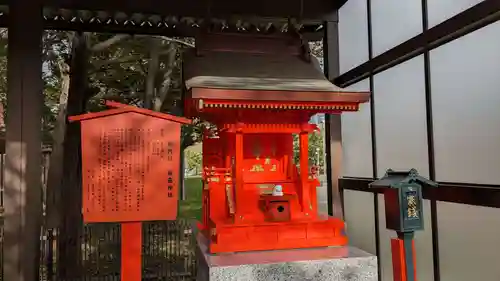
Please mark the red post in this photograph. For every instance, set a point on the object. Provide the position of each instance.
(304, 171)
(399, 260)
(131, 267)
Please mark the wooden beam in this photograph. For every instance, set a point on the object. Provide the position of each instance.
(309, 33)
(333, 125)
(462, 24)
(23, 190)
(313, 9)
(483, 195)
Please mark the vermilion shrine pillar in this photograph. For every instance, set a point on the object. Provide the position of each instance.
(22, 195)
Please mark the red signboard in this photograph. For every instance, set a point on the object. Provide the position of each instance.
(130, 165)
(130, 171)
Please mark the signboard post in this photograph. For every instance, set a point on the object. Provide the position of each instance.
(130, 173)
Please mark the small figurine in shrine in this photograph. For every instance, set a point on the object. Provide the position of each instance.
(255, 197)
(278, 190)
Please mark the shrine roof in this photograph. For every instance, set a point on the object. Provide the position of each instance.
(247, 71)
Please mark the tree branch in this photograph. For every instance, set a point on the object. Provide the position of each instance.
(4, 33)
(173, 40)
(154, 61)
(99, 64)
(108, 43)
(131, 58)
(169, 39)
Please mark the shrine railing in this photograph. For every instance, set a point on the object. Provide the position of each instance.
(168, 251)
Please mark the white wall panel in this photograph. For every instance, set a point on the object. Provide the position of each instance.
(357, 139)
(423, 245)
(466, 103)
(468, 242)
(393, 22)
(353, 34)
(360, 219)
(400, 118)
(441, 10)
(356, 130)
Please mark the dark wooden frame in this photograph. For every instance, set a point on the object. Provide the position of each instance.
(461, 193)
(185, 18)
(314, 9)
(312, 32)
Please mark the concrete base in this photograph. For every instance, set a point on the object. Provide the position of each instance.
(321, 264)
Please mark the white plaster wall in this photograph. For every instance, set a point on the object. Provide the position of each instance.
(360, 219)
(353, 31)
(466, 103)
(356, 129)
(466, 116)
(468, 242)
(394, 21)
(400, 118)
(441, 10)
(357, 140)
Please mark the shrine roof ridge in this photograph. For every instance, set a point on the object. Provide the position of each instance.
(119, 108)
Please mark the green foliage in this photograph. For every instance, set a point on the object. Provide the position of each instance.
(119, 73)
(193, 161)
(315, 149)
(191, 207)
(117, 70)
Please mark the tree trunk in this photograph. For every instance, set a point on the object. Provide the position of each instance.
(162, 93)
(181, 178)
(70, 200)
(55, 171)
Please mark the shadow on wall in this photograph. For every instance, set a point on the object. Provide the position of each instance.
(18, 214)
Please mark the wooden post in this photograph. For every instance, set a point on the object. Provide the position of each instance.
(400, 270)
(23, 189)
(238, 186)
(131, 267)
(304, 171)
(333, 124)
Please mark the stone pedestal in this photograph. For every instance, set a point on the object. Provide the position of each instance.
(320, 264)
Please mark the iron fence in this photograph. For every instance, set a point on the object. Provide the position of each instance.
(168, 248)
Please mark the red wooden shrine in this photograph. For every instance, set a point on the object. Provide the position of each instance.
(130, 173)
(257, 107)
